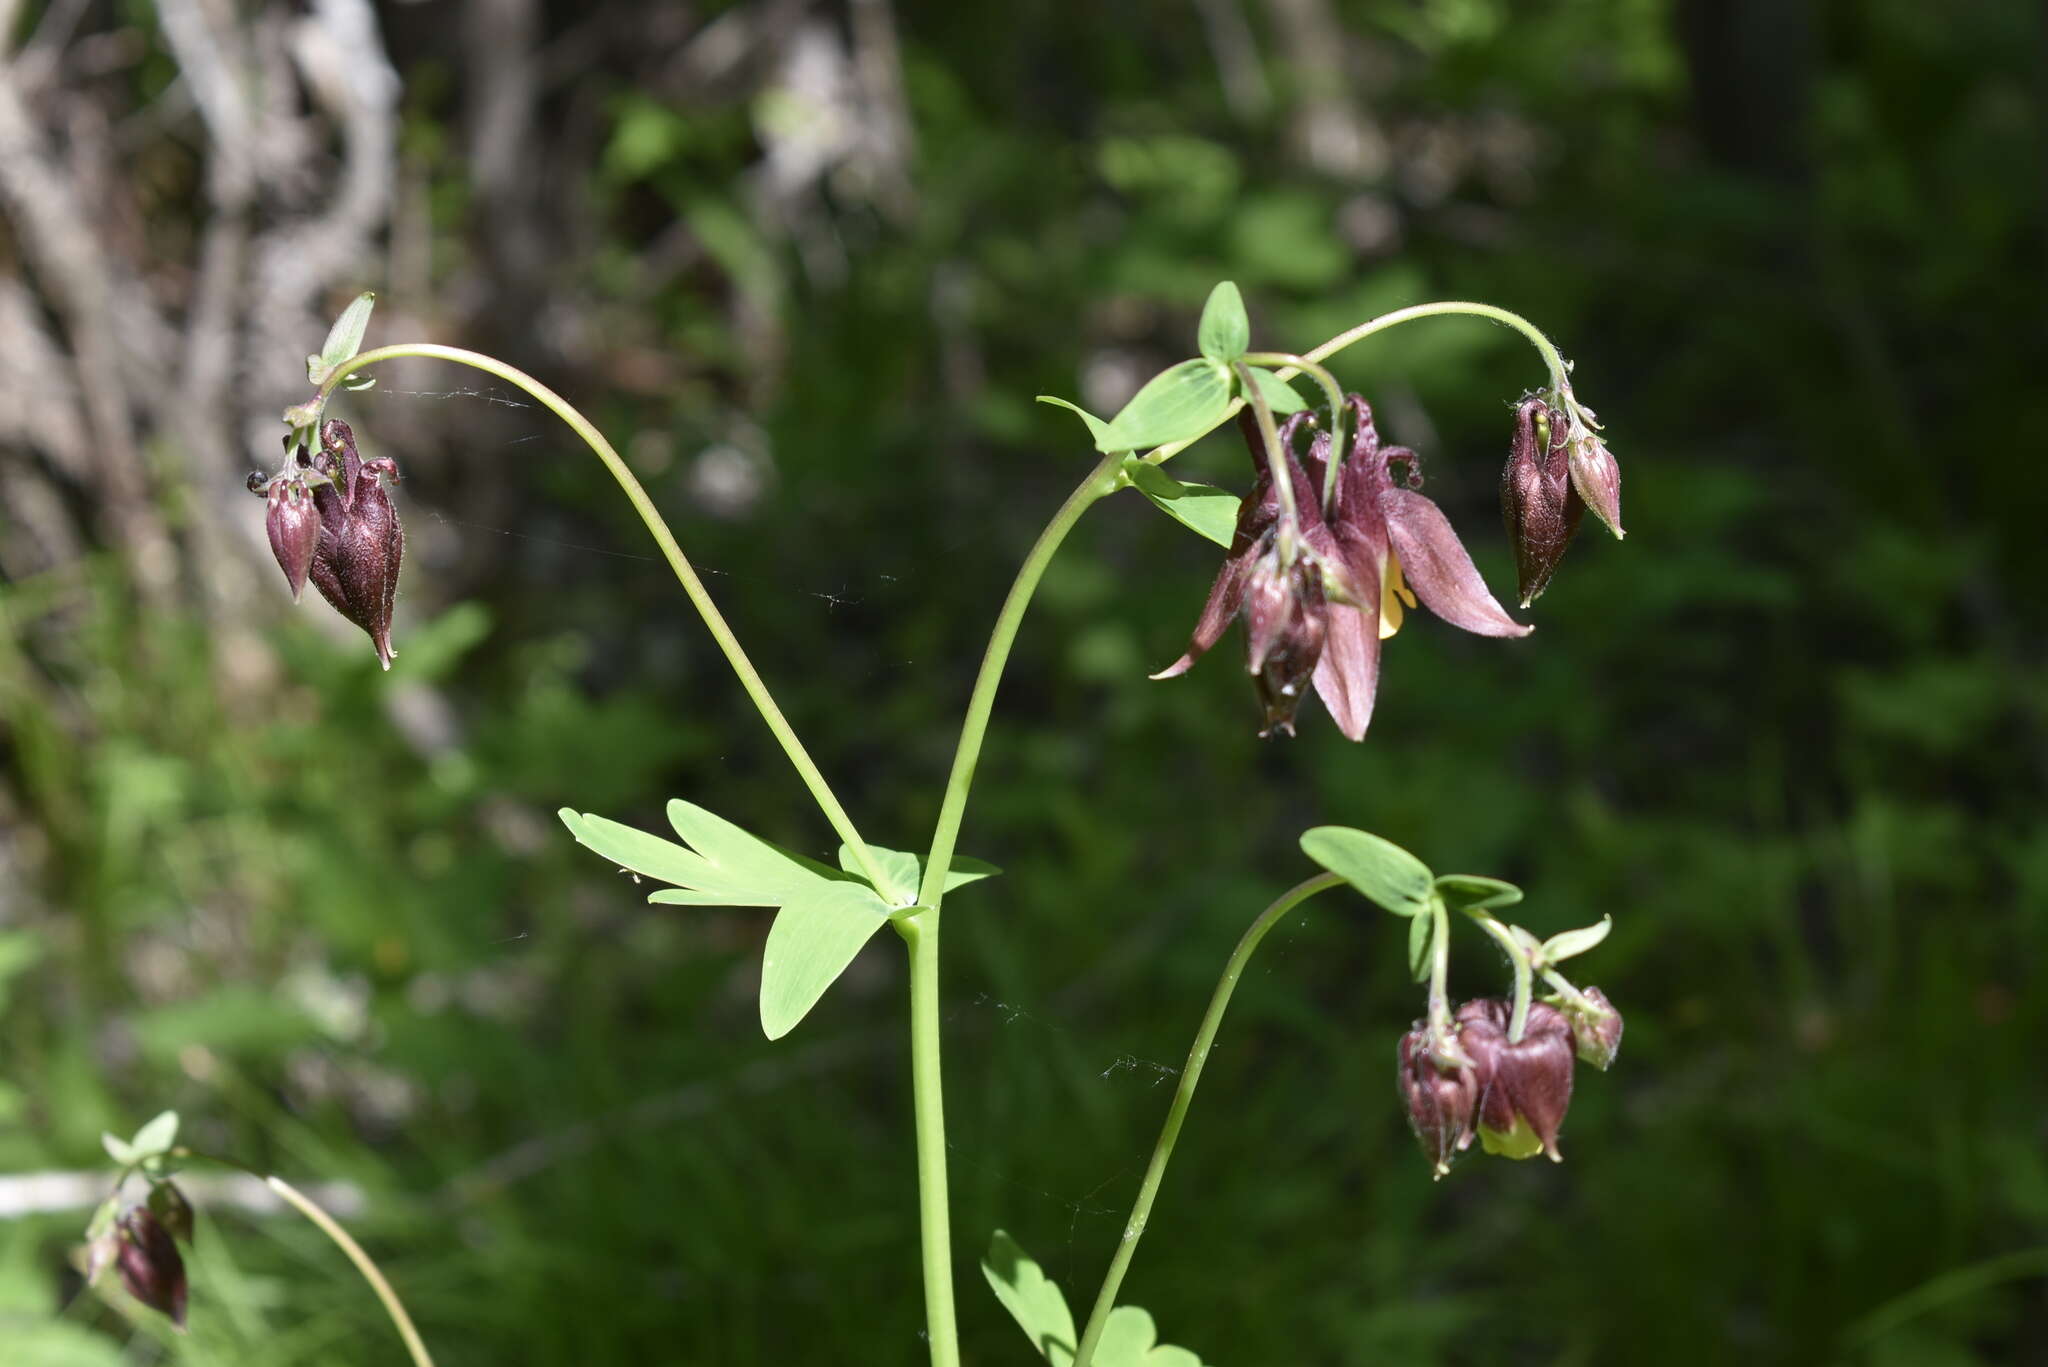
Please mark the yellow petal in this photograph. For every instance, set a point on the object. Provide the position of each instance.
(1393, 592)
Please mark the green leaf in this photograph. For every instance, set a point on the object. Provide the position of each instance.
(901, 873)
(1178, 404)
(905, 872)
(1204, 508)
(1380, 869)
(157, 1136)
(1280, 395)
(345, 338)
(1098, 430)
(1153, 482)
(742, 859)
(1130, 1339)
(1470, 892)
(1225, 331)
(1420, 936)
(642, 853)
(1032, 1299)
(1567, 943)
(119, 1150)
(814, 938)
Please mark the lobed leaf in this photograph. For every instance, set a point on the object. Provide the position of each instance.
(1033, 1300)
(1565, 944)
(1471, 892)
(1280, 395)
(814, 938)
(1098, 430)
(156, 1136)
(345, 338)
(1202, 508)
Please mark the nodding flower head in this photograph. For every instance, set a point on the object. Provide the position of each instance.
(150, 1267)
(1538, 501)
(1441, 1095)
(331, 521)
(1325, 587)
(1525, 1087)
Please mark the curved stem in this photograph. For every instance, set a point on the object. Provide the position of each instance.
(327, 1224)
(1190, 1076)
(1559, 371)
(749, 678)
(1518, 1018)
(1551, 358)
(920, 930)
(415, 1346)
(1100, 482)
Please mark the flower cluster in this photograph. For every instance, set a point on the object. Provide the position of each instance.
(1320, 585)
(330, 520)
(1477, 1077)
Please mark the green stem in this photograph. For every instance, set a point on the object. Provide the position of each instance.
(920, 930)
(749, 678)
(1276, 461)
(328, 1225)
(1439, 968)
(1190, 1076)
(1100, 482)
(1518, 955)
(1559, 371)
(1333, 394)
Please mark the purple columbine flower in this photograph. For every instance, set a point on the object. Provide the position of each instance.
(1538, 501)
(355, 565)
(150, 1267)
(1442, 1098)
(1525, 1087)
(1377, 546)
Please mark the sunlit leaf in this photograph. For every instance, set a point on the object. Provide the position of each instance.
(1098, 430)
(156, 1136)
(1151, 481)
(1565, 944)
(119, 1149)
(1380, 869)
(1178, 404)
(1202, 508)
(905, 872)
(1225, 332)
(1281, 396)
(814, 938)
(1470, 892)
(642, 853)
(1032, 1299)
(1130, 1339)
(345, 338)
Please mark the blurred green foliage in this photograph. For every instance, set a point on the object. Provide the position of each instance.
(1790, 735)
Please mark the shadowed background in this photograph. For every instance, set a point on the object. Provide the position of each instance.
(807, 264)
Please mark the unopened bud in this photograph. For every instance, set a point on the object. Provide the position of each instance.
(1538, 503)
(1286, 616)
(1596, 475)
(150, 1268)
(293, 523)
(1596, 1027)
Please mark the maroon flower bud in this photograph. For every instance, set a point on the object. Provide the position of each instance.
(1524, 1088)
(1285, 618)
(1440, 1101)
(294, 526)
(151, 1270)
(1538, 502)
(172, 1211)
(355, 565)
(1595, 474)
(1596, 1027)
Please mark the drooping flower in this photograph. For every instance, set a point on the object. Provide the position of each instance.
(1538, 502)
(1596, 1027)
(1441, 1097)
(1378, 545)
(1525, 1087)
(150, 1267)
(293, 525)
(355, 565)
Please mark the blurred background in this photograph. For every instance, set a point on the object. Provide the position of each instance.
(808, 264)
